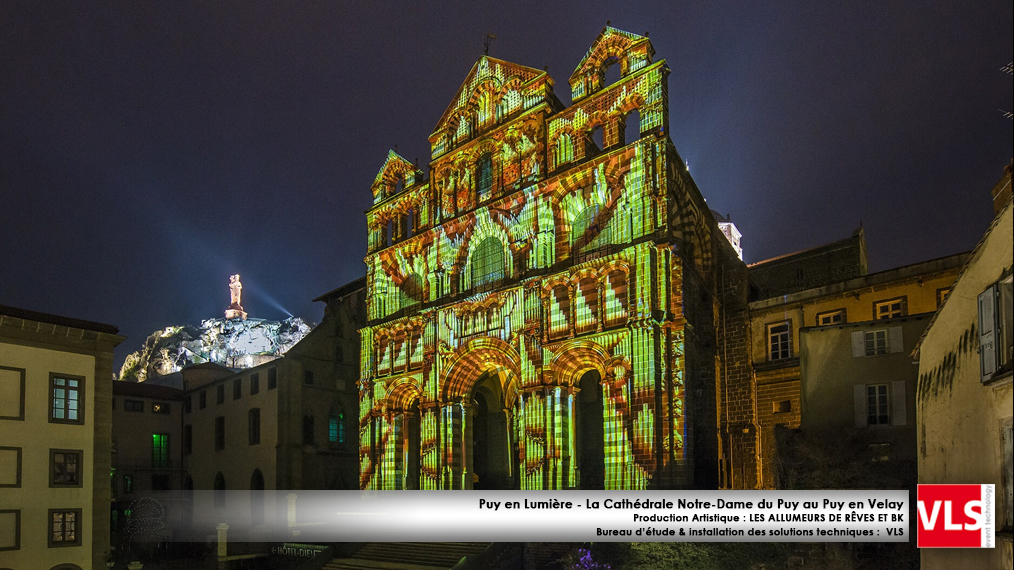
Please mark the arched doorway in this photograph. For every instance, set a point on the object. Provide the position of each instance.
(492, 464)
(257, 498)
(590, 432)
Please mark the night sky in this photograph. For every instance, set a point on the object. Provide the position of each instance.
(150, 149)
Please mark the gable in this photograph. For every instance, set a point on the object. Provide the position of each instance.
(396, 168)
(631, 51)
(494, 89)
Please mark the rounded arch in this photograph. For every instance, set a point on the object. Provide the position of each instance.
(473, 359)
(487, 261)
(402, 392)
(577, 357)
(64, 566)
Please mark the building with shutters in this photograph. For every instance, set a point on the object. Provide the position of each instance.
(56, 380)
(542, 300)
(830, 336)
(965, 398)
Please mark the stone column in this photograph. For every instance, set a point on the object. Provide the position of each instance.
(223, 539)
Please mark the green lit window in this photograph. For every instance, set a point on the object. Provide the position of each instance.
(488, 262)
(160, 451)
(336, 427)
(128, 484)
(67, 402)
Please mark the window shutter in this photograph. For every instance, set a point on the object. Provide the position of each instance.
(896, 343)
(858, 345)
(859, 397)
(987, 333)
(899, 413)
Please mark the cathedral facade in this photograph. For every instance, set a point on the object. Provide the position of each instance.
(551, 306)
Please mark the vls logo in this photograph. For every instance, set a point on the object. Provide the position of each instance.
(956, 516)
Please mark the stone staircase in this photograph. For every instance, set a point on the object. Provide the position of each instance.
(407, 556)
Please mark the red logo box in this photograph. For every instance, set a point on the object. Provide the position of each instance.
(955, 516)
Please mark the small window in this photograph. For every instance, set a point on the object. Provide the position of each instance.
(484, 176)
(133, 405)
(254, 417)
(780, 341)
(272, 378)
(942, 295)
(188, 439)
(67, 399)
(782, 407)
(237, 389)
(186, 405)
(128, 484)
(159, 451)
(308, 378)
(219, 433)
(877, 405)
(10, 467)
(65, 468)
(255, 384)
(890, 309)
(875, 342)
(829, 318)
(307, 430)
(203, 399)
(160, 408)
(220, 399)
(65, 527)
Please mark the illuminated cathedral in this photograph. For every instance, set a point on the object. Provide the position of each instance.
(553, 306)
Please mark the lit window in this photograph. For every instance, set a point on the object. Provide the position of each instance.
(875, 342)
(128, 484)
(67, 403)
(159, 451)
(996, 329)
(890, 309)
(877, 405)
(488, 262)
(133, 405)
(780, 341)
(65, 468)
(336, 426)
(831, 318)
(64, 527)
(160, 408)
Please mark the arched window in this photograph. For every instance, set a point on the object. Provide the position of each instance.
(484, 176)
(588, 232)
(336, 424)
(487, 262)
(411, 291)
(219, 489)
